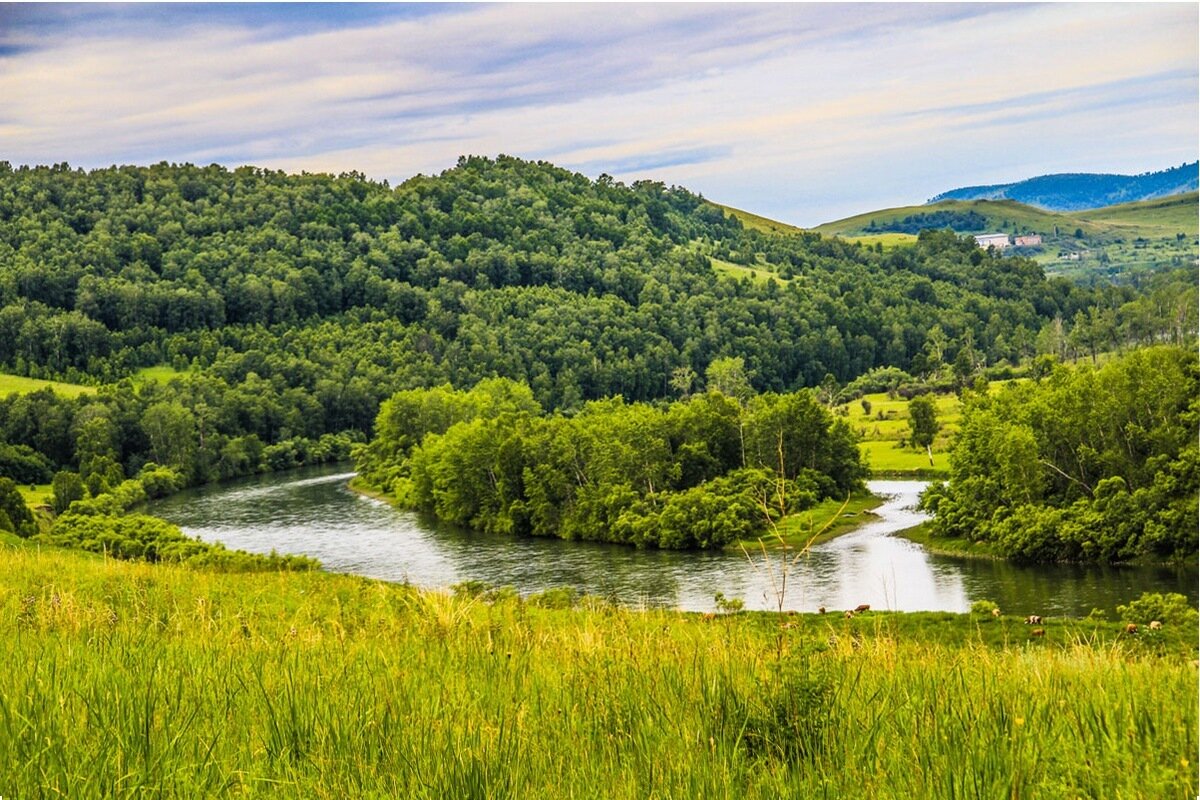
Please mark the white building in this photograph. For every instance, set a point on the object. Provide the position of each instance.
(996, 240)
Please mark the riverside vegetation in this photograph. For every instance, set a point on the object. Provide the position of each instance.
(125, 678)
(703, 472)
(1081, 464)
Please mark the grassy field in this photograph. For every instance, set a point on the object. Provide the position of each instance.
(1151, 219)
(129, 680)
(36, 495)
(737, 271)
(18, 384)
(889, 241)
(884, 430)
(824, 521)
(756, 223)
(160, 374)
(1163, 217)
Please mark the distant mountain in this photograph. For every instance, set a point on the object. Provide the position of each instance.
(1075, 191)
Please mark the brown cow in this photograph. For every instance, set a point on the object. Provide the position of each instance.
(862, 608)
(1038, 632)
(1131, 629)
(821, 610)
(996, 613)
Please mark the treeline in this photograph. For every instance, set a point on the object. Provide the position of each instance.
(582, 289)
(199, 426)
(697, 473)
(99, 523)
(1083, 464)
(958, 221)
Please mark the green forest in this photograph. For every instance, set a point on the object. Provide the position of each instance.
(1082, 464)
(285, 311)
(702, 472)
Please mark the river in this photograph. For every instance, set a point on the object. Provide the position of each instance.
(312, 512)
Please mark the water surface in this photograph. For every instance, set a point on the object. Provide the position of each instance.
(312, 512)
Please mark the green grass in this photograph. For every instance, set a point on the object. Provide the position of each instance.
(131, 680)
(159, 374)
(1152, 219)
(923, 535)
(18, 384)
(737, 271)
(884, 430)
(756, 223)
(824, 521)
(889, 241)
(1163, 217)
(37, 495)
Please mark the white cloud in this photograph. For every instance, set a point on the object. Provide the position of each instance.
(805, 112)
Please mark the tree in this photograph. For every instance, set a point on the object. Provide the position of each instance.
(171, 429)
(67, 487)
(729, 377)
(922, 422)
(682, 379)
(14, 514)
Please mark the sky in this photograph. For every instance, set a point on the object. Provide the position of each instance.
(805, 113)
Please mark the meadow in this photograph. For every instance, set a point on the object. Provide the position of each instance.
(124, 680)
(884, 430)
(738, 271)
(19, 384)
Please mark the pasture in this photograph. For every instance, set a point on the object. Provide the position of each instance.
(19, 384)
(124, 680)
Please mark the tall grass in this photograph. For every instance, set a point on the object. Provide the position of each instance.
(124, 679)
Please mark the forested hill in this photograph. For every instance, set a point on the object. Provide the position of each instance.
(292, 305)
(496, 267)
(1081, 190)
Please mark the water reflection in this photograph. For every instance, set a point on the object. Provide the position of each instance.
(312, 512)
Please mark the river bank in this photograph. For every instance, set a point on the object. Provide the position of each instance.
(313, 512)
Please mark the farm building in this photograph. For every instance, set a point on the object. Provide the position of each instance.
(996, 240)
(1032, 240)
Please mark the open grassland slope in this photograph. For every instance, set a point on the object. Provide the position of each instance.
(19, 384)
(123, 680)
(762, 224)
(1163, 217)
(1151, 219)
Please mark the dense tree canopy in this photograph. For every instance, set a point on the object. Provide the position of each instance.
(583, 289)
(700, 472)
(1083, 465)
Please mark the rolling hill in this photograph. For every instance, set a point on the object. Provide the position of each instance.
(1151, 219)
(1078, 191)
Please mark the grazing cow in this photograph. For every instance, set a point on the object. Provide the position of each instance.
(1038, 632)
(1131, 629)
(1155, 625)
(709, 617)
(821, 610)
(862, 608)
(849, 614)
(1033, 619)
(996, 613)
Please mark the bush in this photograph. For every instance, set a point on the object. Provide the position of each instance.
(1171, 607)
(562, 597)
(983, 608)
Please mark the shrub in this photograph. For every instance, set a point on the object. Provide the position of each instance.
(1162, 607)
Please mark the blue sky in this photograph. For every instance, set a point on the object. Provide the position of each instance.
(802, 112)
